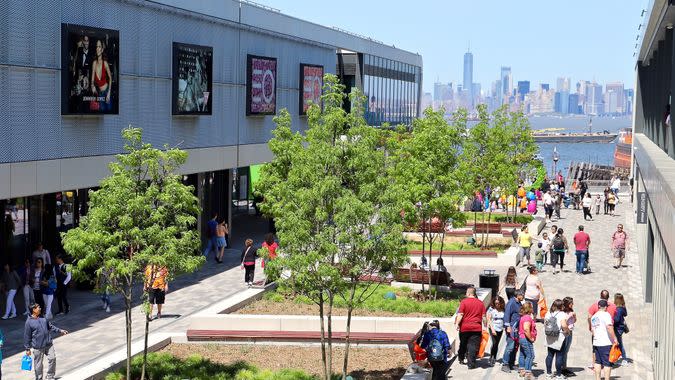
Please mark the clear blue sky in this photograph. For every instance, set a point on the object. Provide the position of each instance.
(540, 39)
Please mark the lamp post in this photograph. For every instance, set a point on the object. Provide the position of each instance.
(556, 157)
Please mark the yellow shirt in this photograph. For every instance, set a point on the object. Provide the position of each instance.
(158, 280)
(525, 239)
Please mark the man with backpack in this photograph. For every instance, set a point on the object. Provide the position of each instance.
(469, 322)
(511, 321)
(437, 345)
(559, 246)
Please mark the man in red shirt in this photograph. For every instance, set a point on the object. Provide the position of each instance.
(581, 241)
(469, 321)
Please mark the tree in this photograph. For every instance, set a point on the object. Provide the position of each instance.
(142, 214)
(427, 174)
(326, 190)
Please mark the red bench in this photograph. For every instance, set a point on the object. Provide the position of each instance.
(488, 228)
(294, 336)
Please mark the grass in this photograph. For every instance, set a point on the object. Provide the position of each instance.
(407, 301)
(436, 246)
(167, 367)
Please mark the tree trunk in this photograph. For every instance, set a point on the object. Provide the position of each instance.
(350, 308)
(127, 315)
(487, 241)
(424, 242)
(431, 250)
(329, 317)
(326, 373)
(440, 256)
(484, 231)
(145, 344)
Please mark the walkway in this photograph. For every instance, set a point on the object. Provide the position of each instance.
(94, 333)
(585, 290)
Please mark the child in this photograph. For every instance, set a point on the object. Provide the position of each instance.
(539, 257)
(598, 202)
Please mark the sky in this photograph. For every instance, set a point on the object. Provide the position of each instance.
(539, 39)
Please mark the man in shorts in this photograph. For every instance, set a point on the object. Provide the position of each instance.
(603, 339)
(156, 286)
(619, 245)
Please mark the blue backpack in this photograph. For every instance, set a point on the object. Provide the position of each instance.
(435, 352)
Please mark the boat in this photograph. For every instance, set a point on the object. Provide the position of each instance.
(584, 137)
(623, 150)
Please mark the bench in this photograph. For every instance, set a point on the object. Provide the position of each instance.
(488, 228)
(420, 276)
(294, 336)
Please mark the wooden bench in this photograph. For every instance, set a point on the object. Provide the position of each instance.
(487, 228)
(294, 336)
(419, 276)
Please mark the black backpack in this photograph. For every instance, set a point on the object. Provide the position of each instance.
(558, 243)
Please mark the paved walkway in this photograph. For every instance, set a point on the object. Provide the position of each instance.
(585, 290)
(94, 333)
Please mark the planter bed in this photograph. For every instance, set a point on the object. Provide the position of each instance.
(480, 253)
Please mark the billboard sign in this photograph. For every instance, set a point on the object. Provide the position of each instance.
(192, 83)
(261, 85)
(311, 85)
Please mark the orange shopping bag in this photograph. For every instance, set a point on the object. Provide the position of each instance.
(483, 343)
(614, 353)
(542, 307)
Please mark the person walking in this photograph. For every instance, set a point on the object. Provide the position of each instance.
(510, 282)
(248, 257)
(211, 237)
(597, 202)
(524, 242)
(511, 324)
(25, 274)
(495, 322)
(602, 328)
(37, 337)
(586, 204)
(555, 329)
(581, 243)
(557, 203)
(548, 205)
(469, 323)
(103, 285)
(619, 245)
(611, 202)
(620, 326)
(157, 286)
(545, 246)
(568, 308)
(63, 277)
(48, 289)
(534, 290)
(605, 200)
(616, 185)
(36, 275)
(560, 246)
(435, 341)
(539, 256)
(221, 241)
(554, 258)
(527, 334)
(611, 309)
(12, 283)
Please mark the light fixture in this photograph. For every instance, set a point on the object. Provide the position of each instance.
(669, 26)
(637, 37)
(639, 26)
(643, 13)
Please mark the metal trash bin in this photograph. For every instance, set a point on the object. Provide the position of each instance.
(489, 279)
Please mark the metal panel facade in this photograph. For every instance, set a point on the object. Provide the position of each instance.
(30, 85)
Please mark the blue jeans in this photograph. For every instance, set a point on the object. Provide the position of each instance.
(619, 339)
(510, 351)
(581, 260)
(558, 360)
(565, 349)
(526, 355)
(211, 245)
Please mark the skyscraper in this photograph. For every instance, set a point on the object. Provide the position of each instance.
(523, 89)
(563, 84)
(507, 81)
(468, 77)
(615, 99)
(594, 103)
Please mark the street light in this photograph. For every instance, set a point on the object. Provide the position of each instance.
(556, 157)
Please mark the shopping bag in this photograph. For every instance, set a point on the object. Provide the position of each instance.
(483, 343)
(420, 353)
(542, 307)
(27, 363)
(614, 353)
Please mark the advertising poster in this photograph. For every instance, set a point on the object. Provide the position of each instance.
(192, 79)
(261, 85)
(89, 70)
(311, 84)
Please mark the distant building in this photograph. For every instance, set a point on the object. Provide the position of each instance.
(594, 99)
(523, 89)
(468, 77)
(563, 84)
(507, 81)
(442, 92)
(573, 106)
(628, 99)
(614, 98)
(427, 101)
(544, 86)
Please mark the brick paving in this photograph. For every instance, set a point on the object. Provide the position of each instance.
(585, 290)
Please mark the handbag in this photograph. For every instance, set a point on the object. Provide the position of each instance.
(524, 285)
(483, 343)
(614, 353)
(27, 363)
(543, 308)
(626, 330)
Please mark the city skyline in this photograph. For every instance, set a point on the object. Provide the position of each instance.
(539, 40)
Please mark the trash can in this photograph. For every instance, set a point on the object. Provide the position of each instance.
(489, 279)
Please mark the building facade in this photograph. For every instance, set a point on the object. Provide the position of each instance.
(468, 78)
(654, 178)
(206, 76)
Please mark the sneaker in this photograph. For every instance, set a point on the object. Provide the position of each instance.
(12, 316)
(158, 316)
(550, 376)
(560, 377)
(506, 368)
(4, 317)
(107, 309)
(492, 362)
(624, 362)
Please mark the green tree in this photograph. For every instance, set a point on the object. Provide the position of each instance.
(427, 175)
(142, 214)
(326, 190)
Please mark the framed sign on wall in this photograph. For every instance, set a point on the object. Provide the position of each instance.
(192, 81)
(261, 85)
(311, 85)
